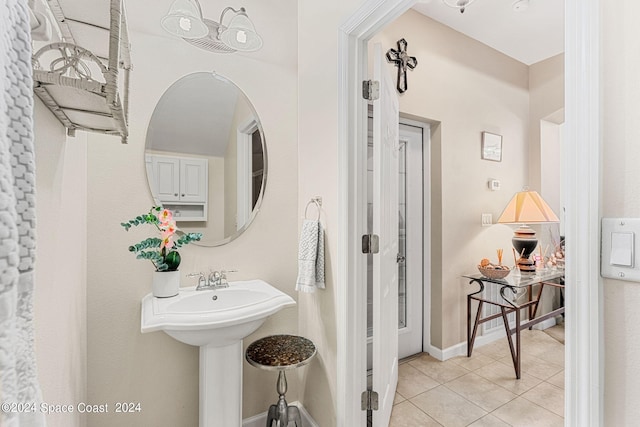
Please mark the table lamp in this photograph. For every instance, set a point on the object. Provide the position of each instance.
(526, 207)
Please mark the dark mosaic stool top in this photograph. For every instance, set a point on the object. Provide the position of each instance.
(280, 352)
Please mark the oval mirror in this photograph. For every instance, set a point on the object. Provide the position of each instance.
(205, 157)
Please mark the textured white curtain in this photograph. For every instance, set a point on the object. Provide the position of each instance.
(18, 379)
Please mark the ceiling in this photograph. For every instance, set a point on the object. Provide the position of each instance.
(529, 36)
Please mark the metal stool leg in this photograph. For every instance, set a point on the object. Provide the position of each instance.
(294, 415)
(272, 416)
(280, 411)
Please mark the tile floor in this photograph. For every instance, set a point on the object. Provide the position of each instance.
(482, 390)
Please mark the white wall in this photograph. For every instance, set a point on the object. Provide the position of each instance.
(318, 22)
(154, 369)
(546, 85)
(620, 122)
(61, 257)
(551, 167)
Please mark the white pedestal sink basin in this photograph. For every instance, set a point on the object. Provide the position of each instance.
(216, 321)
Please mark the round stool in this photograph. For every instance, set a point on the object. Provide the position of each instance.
(281, 353)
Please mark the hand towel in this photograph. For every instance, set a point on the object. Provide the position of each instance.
(311, 257)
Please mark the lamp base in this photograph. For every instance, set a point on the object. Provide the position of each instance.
(526, 265)
(524, 241)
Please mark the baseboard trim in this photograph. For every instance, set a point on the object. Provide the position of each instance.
(545, 324)
(261, 419)
(460, 349)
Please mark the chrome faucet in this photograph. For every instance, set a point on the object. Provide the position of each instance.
(215, 280)
(218, 279)
(202, 281)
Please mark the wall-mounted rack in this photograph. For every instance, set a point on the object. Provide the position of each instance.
(83, 88)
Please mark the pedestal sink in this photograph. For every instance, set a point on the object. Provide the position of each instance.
(216, 321)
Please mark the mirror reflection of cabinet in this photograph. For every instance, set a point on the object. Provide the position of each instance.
(180, 184)
(205, 116)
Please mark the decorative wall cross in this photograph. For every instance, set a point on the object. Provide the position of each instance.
(402, 60)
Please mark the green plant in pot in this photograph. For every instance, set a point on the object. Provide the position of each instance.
(161, 251)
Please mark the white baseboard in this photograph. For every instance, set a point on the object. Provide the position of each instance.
(460, 349)
(545, 324)
(260, 420)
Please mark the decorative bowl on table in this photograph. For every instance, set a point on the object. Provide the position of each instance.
(494, 271)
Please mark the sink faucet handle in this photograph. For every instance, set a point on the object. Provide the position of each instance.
(201, 278)
(223, 277)
(224, 272)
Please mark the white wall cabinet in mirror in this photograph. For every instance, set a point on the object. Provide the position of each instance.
(180, 184)
(206, 158)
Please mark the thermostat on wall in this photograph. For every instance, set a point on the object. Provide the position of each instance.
(493, 184)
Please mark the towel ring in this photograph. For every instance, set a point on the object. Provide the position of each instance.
(318, 202)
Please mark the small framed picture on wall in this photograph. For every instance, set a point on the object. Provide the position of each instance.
(491, 146)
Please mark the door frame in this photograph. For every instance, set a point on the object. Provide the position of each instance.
(583, 351)
(244, 161)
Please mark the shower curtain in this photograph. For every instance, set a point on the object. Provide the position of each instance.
(19, 391)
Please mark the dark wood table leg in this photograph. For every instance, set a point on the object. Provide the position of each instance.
(518, 353)
(471, 336)
(509, 332)
(472, 339)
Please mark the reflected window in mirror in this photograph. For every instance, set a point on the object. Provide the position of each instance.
(205, 157)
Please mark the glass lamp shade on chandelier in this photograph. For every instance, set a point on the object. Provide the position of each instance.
(185, 20)
(526, 207)
(458, 4)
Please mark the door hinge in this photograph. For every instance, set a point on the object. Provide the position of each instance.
(370, 244)
(369, 400)
(400, 259)
(371, 89)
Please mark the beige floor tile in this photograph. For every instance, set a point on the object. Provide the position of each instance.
(548, 396)
(556, 332)
(557, 380)
(553, 355)
(539, 345)
(505, 376)
(522, 413)
(398, 398)
(474, 362)
(489, 421)
(495, 350)
(481, 391)
(406, 414)
(442, 372)
(448, 408)
(534, 366)
(412, 382)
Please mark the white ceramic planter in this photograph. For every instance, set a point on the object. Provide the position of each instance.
(165, 284)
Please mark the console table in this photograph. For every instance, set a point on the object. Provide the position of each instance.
(511, 288)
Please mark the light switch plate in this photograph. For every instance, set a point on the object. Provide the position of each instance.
(619, 249)
(487, 220)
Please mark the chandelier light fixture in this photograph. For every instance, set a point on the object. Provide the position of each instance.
(458, 4)
(185, 20)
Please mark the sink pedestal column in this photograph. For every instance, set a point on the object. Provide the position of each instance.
(221, 385)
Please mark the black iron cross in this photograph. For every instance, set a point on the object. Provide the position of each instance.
(402, 60)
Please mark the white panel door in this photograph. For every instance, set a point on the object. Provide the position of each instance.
(411, 283)
(193, 180)
(385, 225)
(167, 178)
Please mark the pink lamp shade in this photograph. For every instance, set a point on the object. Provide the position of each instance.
(527, 207)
